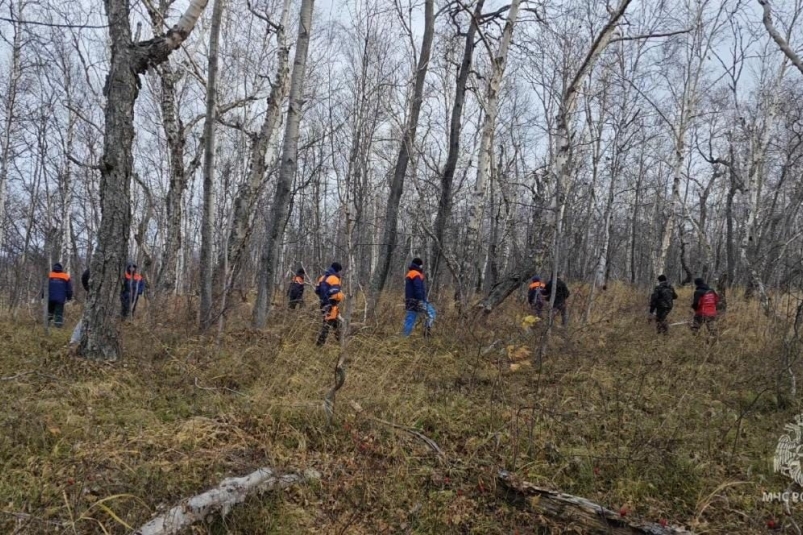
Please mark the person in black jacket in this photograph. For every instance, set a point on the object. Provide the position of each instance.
(661, 303)
(561, 295)
(295, 293)
(85, 280)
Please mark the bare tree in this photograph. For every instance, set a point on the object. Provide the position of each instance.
(287, 170)
(210, 125)
(101, 339)
(490, 105)
(390, 234)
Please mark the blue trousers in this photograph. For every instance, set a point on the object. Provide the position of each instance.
(411, 318)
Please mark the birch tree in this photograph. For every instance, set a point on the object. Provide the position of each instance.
(101, 338)
(287, 170)
(490, 104)
(210, 125)
(389, 234)
(10, 112)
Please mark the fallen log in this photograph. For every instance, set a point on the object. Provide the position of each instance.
(583, 515)
(221, 499)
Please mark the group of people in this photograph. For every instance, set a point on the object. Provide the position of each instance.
(60, 291)
(539, 294)
(330, 294)
(705, 304)
(417, 306)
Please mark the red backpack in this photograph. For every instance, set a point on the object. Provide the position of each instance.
(707, 306)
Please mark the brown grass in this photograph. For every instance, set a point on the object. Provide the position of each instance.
(678, 428)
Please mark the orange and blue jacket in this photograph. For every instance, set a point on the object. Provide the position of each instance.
(296, 290)
(415, 290)
(133, 283)
(59, 285)
(328, 289)
(534, 293)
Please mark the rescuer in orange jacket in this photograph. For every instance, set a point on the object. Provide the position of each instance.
(535, 297)
(331, 296)
(415, 299)
(133, 286)
(295, 293)
(59, 291)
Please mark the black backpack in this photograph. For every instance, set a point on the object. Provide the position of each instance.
(665, 296)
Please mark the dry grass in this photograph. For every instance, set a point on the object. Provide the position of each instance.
(675, 429)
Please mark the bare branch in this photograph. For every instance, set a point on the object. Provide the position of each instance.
(650, 36)
(777, 37)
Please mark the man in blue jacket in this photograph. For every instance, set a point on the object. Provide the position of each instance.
(133, 286)
(59, 291)
(331, 295)
(415, 298)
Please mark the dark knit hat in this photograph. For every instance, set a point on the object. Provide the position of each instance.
(300, 271)
(699, 282)
(418, 262)
(661, 278)
(336, 267)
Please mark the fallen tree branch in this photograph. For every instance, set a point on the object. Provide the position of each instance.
(421, 436)
(221, 499)
(583, 514)
(17, 376)
(411, 430)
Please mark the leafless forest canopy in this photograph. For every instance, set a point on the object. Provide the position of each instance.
(603, 140)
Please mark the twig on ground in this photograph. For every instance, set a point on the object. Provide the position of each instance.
(17, 376)
(421, 436)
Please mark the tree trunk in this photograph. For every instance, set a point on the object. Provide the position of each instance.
(175, 137)
(390, 234)
(210, 127)
(10, 103)
(564, 137)
(455, 126)
(101, 337)
(287, 169)
(259, 160)
(490, 105)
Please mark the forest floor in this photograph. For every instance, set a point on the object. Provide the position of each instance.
(676, 429)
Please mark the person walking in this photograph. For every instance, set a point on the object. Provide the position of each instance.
(561, 295)
(704, 305)
(295, 293)
(331, 296)
(661, 303)
(535, 297)
(59, 291)
(133, 286)
(415, 299)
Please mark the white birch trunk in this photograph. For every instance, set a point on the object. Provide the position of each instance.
(210, 127)
(220, 500)
(10, 104)
(287, 169)
(490, 105)
(563, 136)
(262, 155)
